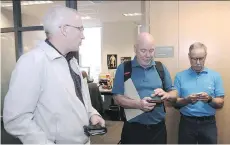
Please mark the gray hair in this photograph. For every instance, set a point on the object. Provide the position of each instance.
(197, 45)
(55, 17)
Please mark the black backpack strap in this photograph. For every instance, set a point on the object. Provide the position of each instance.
(160, 70)
(127, 70)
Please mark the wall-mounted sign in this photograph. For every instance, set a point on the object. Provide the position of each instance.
(164, 51)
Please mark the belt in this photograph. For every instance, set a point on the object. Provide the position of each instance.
(200, 118)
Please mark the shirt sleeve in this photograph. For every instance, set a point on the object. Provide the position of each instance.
(219, 89)
(168, 81)
(21, 101)
(91, 111)
(118, 84)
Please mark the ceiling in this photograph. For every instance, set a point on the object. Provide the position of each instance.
(99, 11)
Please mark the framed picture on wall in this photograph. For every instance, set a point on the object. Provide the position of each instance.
(112, 61)
(123, 59)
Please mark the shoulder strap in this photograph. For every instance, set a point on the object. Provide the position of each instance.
(127, 75)
(160, 71)
(127, 70)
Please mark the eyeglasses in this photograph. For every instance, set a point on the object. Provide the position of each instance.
(196, 59)
(79, 28)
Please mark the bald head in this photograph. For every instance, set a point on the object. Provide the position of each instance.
(145, 38)
(57, 16)
(144, 48)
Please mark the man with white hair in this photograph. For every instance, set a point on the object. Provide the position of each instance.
(48, 101)
(200, 92)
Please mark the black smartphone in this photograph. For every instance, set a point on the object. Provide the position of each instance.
(155, 99)
(94, 127)
(92, 130)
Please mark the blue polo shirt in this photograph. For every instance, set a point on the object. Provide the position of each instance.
(146, 80)
(188, 82)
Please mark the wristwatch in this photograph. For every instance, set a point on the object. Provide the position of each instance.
(209, 100)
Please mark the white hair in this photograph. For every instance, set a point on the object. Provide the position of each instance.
(55, 17)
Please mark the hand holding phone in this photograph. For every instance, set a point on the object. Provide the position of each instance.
(92, 130)
(192, 98)
(145, 104)
(199, 95)
(155, 99)
(203, 97)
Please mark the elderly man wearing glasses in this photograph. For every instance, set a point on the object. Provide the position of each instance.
(200, 93)
(48, 101)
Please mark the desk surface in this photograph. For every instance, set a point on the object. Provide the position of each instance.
(105, 90)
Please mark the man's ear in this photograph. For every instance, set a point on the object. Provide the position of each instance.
(63, 30)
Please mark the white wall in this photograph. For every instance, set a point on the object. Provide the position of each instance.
(118, 38)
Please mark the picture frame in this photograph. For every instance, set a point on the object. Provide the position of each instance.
(123, 59)
(112, 61)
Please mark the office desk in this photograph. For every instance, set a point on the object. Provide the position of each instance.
(105, 91)
(107, 98)
(109, 105)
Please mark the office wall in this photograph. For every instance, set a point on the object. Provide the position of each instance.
(182, 23)
(118, 38)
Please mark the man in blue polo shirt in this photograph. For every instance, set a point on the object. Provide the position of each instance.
(145, 121)
(200, 93)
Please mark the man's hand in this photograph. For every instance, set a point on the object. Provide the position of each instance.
(145, 105)
(96, 119)
(203, 97)
(164, 95)
(193, 98)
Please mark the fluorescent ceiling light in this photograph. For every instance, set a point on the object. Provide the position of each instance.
(132, 14)
(26, 3)
(86, 18)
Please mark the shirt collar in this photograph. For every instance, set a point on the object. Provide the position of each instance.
(55, 53)
(50, 44)
(50, 51)
(205, 70)
(135, 62)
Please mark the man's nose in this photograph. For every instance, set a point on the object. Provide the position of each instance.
(148, 54)
(198, 61)
(82, 36)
